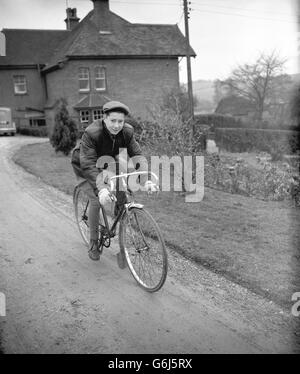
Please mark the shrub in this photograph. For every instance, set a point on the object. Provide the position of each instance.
(275, 142)
(33, 131)
(170, 130)
(169, 134)
(65, 133)
(146, 132)
(176, 101)
(235, 176)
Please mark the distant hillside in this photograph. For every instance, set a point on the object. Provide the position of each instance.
(295, 78)
(203, 89)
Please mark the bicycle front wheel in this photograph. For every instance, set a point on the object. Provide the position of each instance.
(81, 202)
(142, 243)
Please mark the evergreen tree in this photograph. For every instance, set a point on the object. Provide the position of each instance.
(64, 135)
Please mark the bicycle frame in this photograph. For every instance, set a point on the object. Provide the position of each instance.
(140, 238)
(111, 231)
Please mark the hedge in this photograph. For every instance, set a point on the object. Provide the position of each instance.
(275, 142)
(33, 131)
(218, 121)
(215, 120)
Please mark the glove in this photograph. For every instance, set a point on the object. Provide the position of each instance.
(105, 196)
(151, 187)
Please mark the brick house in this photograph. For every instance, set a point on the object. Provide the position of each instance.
(99, 58)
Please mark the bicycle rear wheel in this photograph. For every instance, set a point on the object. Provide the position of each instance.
(142, 243)
(81, 202)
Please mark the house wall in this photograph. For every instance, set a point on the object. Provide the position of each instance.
(139, 83)
(34, 98)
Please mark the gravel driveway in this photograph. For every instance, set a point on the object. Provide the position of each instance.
(59, 301)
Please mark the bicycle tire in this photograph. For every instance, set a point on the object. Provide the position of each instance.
(81, 214)
(151, 255)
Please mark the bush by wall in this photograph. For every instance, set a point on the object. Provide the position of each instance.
(171, 134)
(65, 132)
(275, 142)
(34, 131)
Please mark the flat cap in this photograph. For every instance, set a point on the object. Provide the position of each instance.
(112, 106)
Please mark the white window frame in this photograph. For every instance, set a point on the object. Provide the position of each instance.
(100, 76)
(84, 76)
(84, 116)
(19, 81)
(97, 114)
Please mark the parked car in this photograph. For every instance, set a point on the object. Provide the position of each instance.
(7, 126)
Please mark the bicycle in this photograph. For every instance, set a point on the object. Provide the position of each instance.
(141, 243)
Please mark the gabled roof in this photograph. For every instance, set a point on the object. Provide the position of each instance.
(125, 39)
(49, 47)
(92, 100)
(28, 47)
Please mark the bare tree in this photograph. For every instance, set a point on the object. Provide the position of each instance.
(256, 81)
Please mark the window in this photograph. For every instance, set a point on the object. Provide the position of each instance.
(97, 114)
(84, 116)
(20, 84)
(84, 79)
(37, 122)
(100, 79)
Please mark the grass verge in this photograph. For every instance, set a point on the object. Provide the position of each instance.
(251, 242)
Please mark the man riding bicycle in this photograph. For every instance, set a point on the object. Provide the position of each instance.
(106, 137)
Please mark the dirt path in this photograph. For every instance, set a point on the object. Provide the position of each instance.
(59, 301)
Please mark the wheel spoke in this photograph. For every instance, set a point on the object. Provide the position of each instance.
(81, 213)
(144, 249)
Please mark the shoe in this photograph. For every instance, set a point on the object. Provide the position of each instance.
(94, 253)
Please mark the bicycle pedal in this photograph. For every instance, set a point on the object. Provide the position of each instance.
(106, 242)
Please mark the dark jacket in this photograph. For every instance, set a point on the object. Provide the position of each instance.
(98, 141)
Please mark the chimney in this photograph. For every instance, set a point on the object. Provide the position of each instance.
(101, 15)
(72, 20)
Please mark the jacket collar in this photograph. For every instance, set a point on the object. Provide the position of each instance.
(111, 136)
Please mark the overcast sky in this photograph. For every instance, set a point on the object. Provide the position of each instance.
(223, 33)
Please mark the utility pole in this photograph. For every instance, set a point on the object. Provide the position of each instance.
(298, 21)
(186, 4)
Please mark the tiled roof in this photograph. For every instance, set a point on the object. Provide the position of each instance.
(126, 39)
(27, 47)
(92, 100)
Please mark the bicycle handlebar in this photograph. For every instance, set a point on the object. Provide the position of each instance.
(128, 175)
